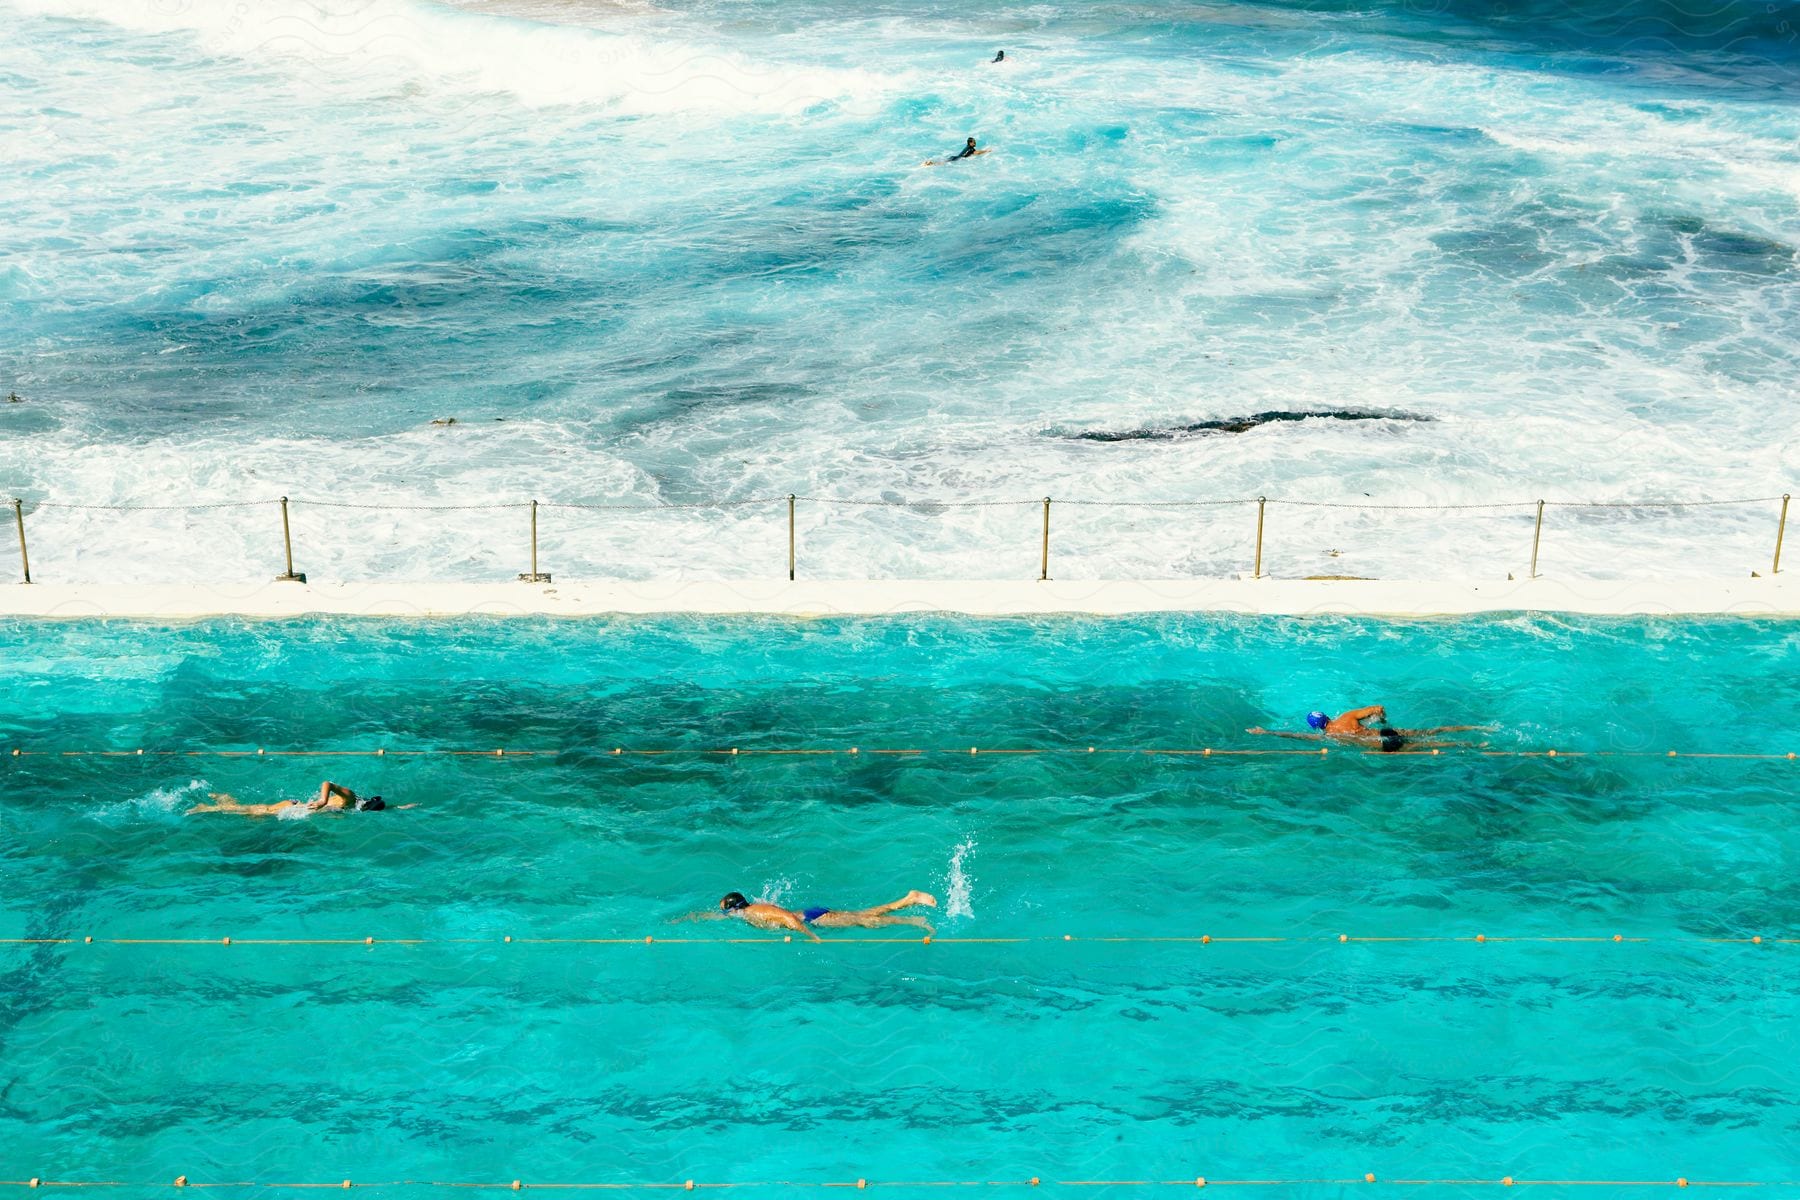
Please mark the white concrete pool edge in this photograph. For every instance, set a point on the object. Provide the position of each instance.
(1759, 597)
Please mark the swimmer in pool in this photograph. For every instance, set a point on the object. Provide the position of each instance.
(332, 797)
(776, 918)
(1354, 726)
(968, 151)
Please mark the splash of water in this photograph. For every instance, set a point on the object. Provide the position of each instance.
(159, 802)
(958, 882)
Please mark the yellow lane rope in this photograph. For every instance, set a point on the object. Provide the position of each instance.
(1203, 939)
(690, 1185)
(853, 751)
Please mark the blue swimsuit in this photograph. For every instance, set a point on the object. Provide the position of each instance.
(809, 915)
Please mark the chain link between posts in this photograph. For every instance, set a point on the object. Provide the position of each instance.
(919, 506)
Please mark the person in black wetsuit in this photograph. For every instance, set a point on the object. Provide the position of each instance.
(968, 151)
(999, 56)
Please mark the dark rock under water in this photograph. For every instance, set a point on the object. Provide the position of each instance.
(1234, 424)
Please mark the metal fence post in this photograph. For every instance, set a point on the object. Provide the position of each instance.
(1044, 561)
(25, 559)
(287, 544)
(535, 576)
(1536, 535)
(790, 537)
(1780, 529)
(1262, 502)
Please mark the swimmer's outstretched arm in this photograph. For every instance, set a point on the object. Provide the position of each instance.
(1303, 737)
(703, 915)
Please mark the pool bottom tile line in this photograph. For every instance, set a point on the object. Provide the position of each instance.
(1199, 1181)
(617, 752)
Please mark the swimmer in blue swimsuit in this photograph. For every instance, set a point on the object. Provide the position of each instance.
(776, 918)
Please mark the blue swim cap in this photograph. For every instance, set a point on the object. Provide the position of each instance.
(1317, 720)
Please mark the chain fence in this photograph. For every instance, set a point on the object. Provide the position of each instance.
(1535, 510)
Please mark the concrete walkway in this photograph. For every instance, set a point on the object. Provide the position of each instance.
(1777, 596)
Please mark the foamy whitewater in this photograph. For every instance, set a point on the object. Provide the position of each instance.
(687, 252)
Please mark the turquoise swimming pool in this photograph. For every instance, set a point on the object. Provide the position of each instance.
(1049, 1053)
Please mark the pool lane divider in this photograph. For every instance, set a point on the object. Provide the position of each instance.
(856, 751)
(1204, 939)
(690, 1185)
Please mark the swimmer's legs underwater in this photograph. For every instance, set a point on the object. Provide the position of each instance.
(230, 804)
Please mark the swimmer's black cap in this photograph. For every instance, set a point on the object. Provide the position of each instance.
(733, 901)
(372, 804)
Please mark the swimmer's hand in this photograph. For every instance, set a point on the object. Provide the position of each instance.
(1256, 729)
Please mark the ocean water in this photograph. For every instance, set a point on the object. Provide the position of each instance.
(668, 253)
(476, 1060)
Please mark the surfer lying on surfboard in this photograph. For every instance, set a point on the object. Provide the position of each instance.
(968, 151)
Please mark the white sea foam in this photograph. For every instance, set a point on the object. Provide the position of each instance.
(1592, 294)
(374, 45)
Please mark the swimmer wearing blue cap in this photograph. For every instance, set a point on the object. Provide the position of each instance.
(775, 918)
(1354, 726)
